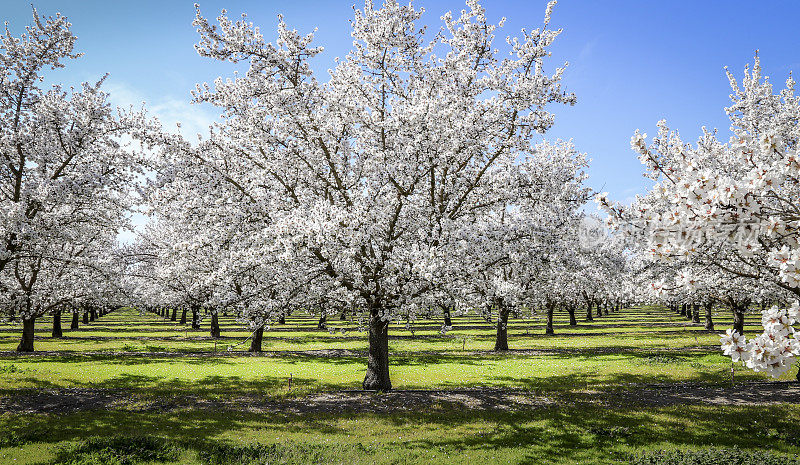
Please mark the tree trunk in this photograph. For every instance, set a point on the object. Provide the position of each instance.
(195, 318)
(549, 328)
(738, 319)
(709, 322)
(57, 325)
(74, 324)
(255, 343)
(377, 377)
(599, 308)
(282, 319)
(86, 318)
(323, 321)
(92, 314)
(183, 316)
(572, 320)
(589, 311)
(447, 320)
(343, 316)
(26, 344)
(501, 341)
(174, 315)
(683, 309)
(607, 305)
(215, 325)
(696, 313)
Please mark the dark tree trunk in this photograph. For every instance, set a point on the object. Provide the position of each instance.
(282, 319)
(26, 343)
(183, 316)
(599, 306)
(589, 311)
(607, 306)
(549, 328)
(57, 325)
(572, 320)
(709, 322)
(195, 319)
(74, 324)
(447, 320)
(255, 343)
(86, 318)
(215, 325)
(501, 341)
(377, 377)
(696, 313)
(683, 309)
(174, 315)
(323, 321)
(738, 319)
(343, 316)
(92, 314)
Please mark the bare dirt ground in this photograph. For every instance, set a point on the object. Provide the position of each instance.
(61, 401)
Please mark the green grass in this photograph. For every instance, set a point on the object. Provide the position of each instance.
(148, 358)
(570, 434)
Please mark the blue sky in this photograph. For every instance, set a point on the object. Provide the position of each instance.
(632, 62)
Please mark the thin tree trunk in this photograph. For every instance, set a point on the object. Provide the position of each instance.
(709, 322)
(550, 309)
(255, 343)
(501, 340)
(599, 308)
(92, 314)
(26, 343)
(215, 325)
(696, 313)
(607, 306)
(589, 311)
(183, 317)
(57, 325)
(86, 318)
(195, 318)
(74, 324)
(174, 314)
(323, 321)
(377, 376)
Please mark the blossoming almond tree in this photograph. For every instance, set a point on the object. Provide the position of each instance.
(66, 178)
(733, 206)
(365, 177)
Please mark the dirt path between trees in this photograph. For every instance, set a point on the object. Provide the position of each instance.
(61, 401)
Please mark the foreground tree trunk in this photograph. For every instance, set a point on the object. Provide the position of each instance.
(599, 308)
(26, 344)
(323, 321)
(709, 322)
(57, 325)
(86, 318)
(572, 320)
(550, 309)
(255, 343)
(195, 318)
(183, 317)
(377, 377)
(174, 315)
(92, 314)
(696, 313)
(589, 311)
(447, 320)
(738, 319)
(74, 324)
(282, 319)
(215, 325)
(501, 339)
